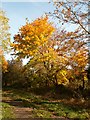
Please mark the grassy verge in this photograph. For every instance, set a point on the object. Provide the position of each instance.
(7, 111)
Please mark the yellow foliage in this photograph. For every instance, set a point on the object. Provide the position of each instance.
(62, 77)
(4, 64)
(85, 78)
(33, 35)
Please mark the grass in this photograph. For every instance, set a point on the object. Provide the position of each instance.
(46, 108)
(42, 113)
(7, 111)
(61, 109)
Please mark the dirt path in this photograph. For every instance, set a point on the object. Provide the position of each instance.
(22, 112)
(19, 110)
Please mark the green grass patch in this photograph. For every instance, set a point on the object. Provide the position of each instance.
(7, 111)
(64, 110)
(41, 113)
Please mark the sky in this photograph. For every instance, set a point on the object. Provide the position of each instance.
(17, 12)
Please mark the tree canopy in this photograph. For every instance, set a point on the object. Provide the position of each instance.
(31, 36)
(54, 53)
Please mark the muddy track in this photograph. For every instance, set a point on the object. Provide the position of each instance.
(18, 109)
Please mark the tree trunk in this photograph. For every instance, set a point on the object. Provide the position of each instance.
(83, 86)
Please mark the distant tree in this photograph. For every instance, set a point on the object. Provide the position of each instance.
(14, 74)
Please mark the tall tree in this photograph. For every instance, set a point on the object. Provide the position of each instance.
(4, 38)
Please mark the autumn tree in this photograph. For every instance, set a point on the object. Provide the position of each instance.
(31, 38)
(73, 56)
(4, 39)
(75, 14)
